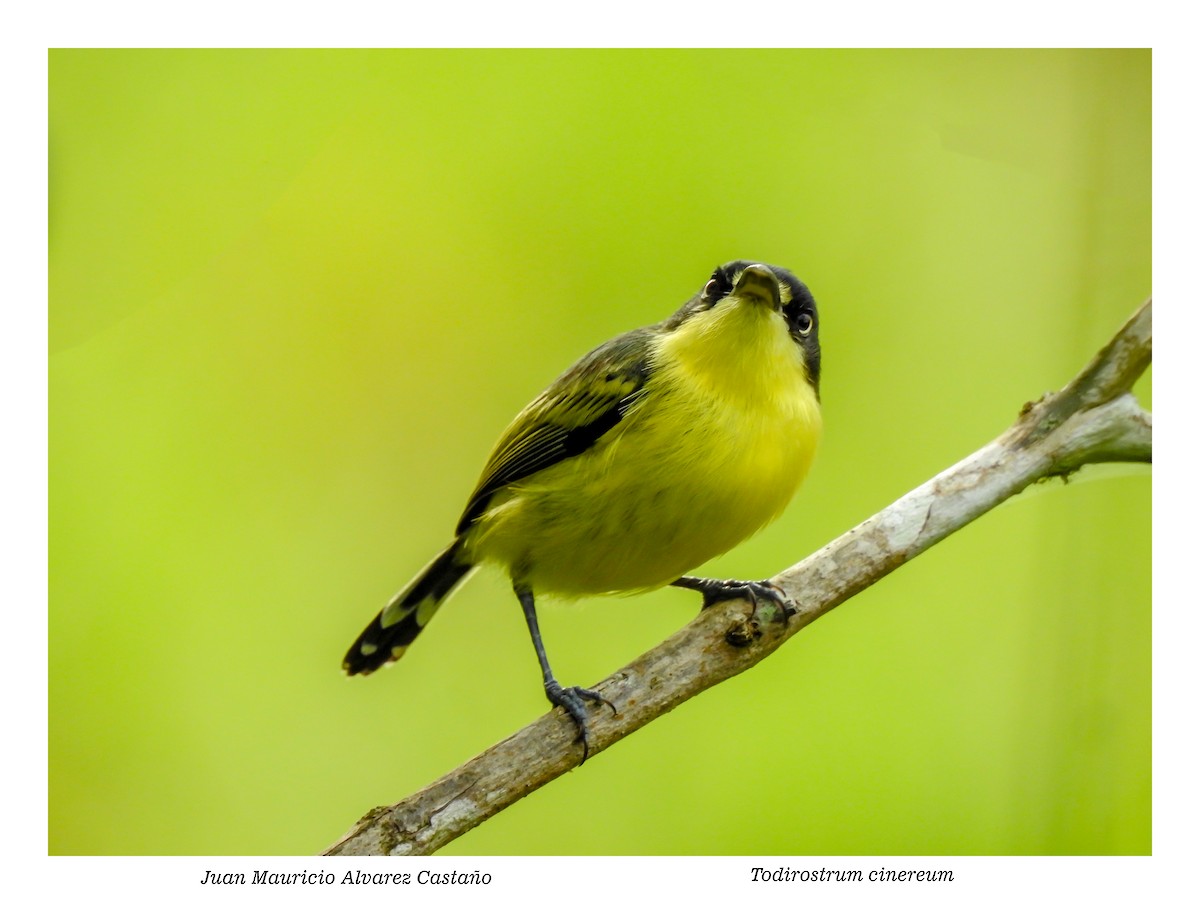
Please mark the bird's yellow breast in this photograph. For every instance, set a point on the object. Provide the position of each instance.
(721, 436)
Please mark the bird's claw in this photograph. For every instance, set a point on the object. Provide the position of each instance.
(571, 699)
(716, 591)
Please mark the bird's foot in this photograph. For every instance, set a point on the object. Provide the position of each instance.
(571, 699)
(715, 591)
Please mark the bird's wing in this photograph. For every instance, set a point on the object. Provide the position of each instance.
(577, 409)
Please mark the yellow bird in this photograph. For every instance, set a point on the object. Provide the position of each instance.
(654, 452)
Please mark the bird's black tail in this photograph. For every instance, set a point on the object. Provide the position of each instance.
(391, 631)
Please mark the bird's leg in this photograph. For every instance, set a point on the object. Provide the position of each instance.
(715, 590)
(569, 698)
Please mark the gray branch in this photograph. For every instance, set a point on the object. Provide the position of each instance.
(1093, 419)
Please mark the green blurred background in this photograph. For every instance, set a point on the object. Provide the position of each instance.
(295, 296)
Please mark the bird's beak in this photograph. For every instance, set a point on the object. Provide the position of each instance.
(758, 283)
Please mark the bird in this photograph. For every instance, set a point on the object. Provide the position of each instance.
(653, 453)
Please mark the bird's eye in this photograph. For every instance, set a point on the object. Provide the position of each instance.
(710, 288)
(804, 324)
